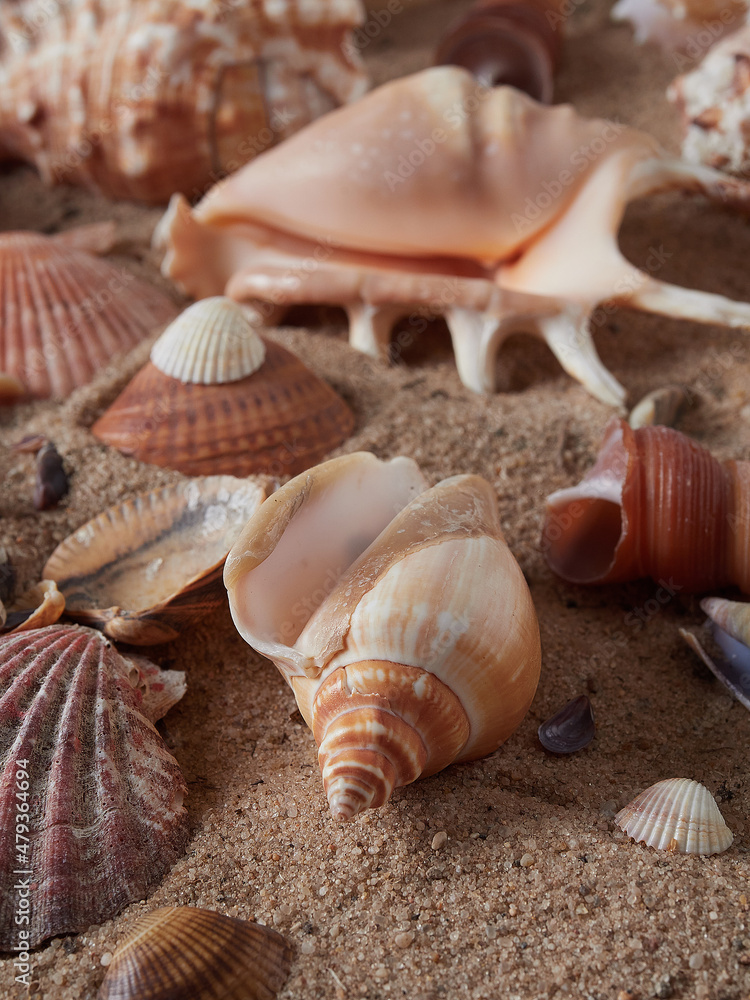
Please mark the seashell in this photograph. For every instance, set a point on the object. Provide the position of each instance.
(680, 24)
(40, 606)
(569, 730)
(729, 627)
(654, 504)
(7, 576)
(11, 389)
(662, 406)
(66, 313)
(51, 479)
(514, 42)
(182, 951)
(433, 194)
(679, 815)
(103, 795)
(141, 100)
(398, 616)
(713, 102)
(278, 420)
(145, 569)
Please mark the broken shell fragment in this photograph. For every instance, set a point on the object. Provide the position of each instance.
(66, 313)
(569, 730)
(663, 406)
(467, 226)
(147, 568)
(678, 815)
(51, 479)
(40, 606)
(105, 818)
(216, 398)
(729, 626)
(396, 613)
(182, 951)
(655, 504)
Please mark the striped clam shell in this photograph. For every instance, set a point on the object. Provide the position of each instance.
(183, 951)
(678, 815)
(104, 806)
(65, 314)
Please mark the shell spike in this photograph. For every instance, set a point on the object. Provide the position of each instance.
(476, 340)
(370, 327)
(569, 338)
(687, 303)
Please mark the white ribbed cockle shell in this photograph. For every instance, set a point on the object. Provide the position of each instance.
(678, 815)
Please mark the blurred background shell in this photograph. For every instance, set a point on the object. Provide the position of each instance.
(675, 24)
(106, 817)
(278, 419)
(140, 100)
(147, 568)
(65, 313)
(183, 951)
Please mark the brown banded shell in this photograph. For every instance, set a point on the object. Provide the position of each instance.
(678, 815)
(65, 314)
(105, 813)
(278, 419)
(515, 42)
(147, 568)
(655, 504)
(183, 952)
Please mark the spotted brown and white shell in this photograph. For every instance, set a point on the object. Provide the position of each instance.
(215, 398)
(435, 194)
(102, 798)
(396, 613)
(140, 100)
(678, 815)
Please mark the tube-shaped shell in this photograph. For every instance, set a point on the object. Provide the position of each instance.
(216, 398)
(65, 313)
(655, 504)
(677, 814)
(143, 99)
(105, 817)
(186, 952)
(147, 568)
(397, 614)
(436, 194)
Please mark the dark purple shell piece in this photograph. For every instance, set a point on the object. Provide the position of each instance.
(51, 480)
(570, 729)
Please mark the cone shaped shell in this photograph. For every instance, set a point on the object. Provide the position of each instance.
(280, 420)
(147, 568)
(211, 342)
(363, 587)
(677, 814)
(182, 951)
(65, 314)
(105, 819)
(655, 504)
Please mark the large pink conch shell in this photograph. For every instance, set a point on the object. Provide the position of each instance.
(434, 193)
(142, 98)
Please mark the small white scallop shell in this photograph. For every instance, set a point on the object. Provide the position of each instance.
(210, 343)
(678, 815)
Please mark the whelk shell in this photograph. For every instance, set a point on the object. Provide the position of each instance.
(278, 418)
(105, 816)
(396, 613)
(181, 951)
(655, 504)
(147, 568)
(677, 814)
(139, 100)
(65, 314)
(729, 626)
(433, 195)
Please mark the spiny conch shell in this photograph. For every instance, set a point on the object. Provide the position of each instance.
(103, 811)
(397, 614)
(713, 102)
(729, 626)
(662, 406)
(40, 606)
(147, 568)
(65, 313)
(216, 398)
(185, 952)
(655, 504)
(678, 815)
(508, 41)
(139, 100)
(435, 194)
(570, 729)
(688, 25)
